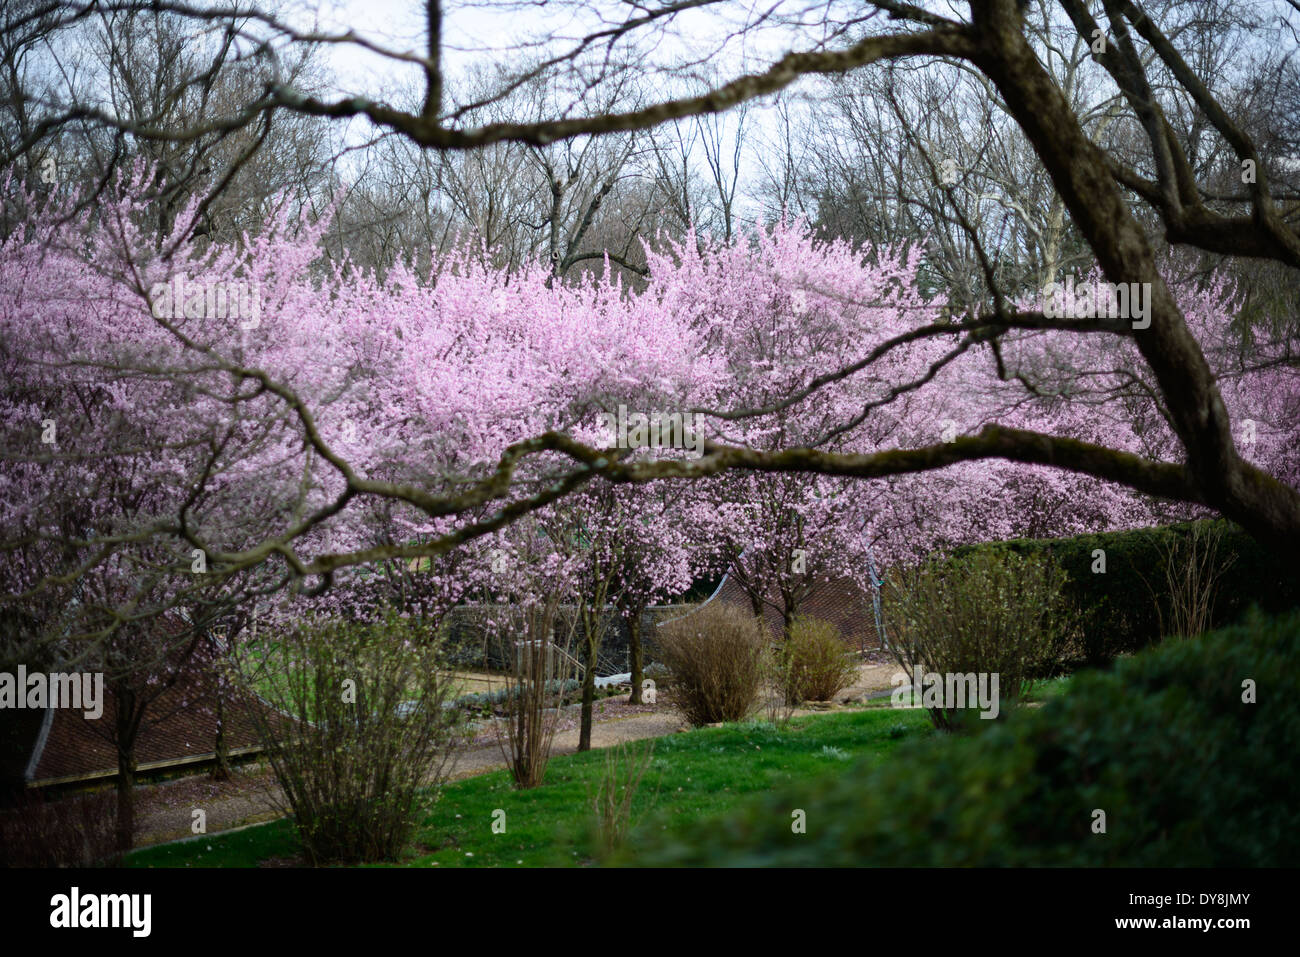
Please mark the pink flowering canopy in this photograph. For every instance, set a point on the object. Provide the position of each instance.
(268, 413)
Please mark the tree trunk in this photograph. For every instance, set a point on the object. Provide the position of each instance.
(634, 654)
(1267, 508)
(125, 801)
(126, 730)
(221, 769)
(589, 681)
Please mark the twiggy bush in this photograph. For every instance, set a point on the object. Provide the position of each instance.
(541, 670)
(361, 731)
(988, 613)
(1194, 569)
(814, 662)
(715, 656)
(624, 767)
(776, 673)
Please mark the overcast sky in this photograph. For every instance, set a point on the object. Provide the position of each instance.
(499, 29)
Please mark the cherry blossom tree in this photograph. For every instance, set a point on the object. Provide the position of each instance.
(257, 416)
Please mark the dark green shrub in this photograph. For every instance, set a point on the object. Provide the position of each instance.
(987, 612)
(1186, 772)
(1122, 608)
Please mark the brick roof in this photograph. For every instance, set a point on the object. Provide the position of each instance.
(839, 601)
(70, 747)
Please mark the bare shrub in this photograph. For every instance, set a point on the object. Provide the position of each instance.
(624, 767)
(541, 663)
(361, 732)
(778, 709)
(53, 831)
(814, 662)
(1193, 570)
(989, 613)
(715, 656)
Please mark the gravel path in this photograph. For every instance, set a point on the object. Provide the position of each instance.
(165, 811)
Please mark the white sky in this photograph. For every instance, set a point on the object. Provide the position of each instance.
(497, 29)
(494, 30)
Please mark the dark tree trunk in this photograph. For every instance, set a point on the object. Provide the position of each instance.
(125, 801)
(588, 692)
(1219, 477)
(221, 769)
(128, 725)
(634, 654)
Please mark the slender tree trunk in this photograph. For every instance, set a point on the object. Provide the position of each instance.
(589, 685)
(634, 654)
(221, 770)
(127, 728)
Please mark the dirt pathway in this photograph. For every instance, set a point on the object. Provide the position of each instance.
(166, 810)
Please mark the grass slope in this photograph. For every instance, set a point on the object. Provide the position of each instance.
(693, 776)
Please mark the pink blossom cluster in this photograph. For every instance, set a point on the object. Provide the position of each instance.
(192, 426)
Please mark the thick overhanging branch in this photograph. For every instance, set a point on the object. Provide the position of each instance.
(947, 41)
(428, 131)
(1174, 194)
(1162, 479)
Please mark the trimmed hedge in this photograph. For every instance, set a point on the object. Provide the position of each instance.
(1187, 774)
(1118, 608)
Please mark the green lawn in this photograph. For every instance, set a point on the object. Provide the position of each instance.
(1048, 688)
(264, 661)
(1036, 692)
(692, 775)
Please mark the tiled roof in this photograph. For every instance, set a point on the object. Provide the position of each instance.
(71, 747)
(840, 602)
